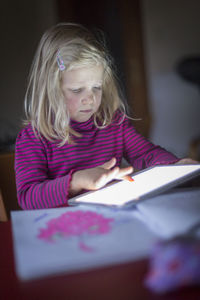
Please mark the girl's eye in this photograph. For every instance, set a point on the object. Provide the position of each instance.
(98, 88)
(76, 91)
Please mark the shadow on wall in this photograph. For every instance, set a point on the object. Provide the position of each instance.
(188, 68)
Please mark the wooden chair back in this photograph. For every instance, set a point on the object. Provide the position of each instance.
(8, 196)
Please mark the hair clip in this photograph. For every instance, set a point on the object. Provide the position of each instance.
(60, 62)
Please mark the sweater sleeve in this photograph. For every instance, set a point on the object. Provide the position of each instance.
(35, 189)
(140, 152)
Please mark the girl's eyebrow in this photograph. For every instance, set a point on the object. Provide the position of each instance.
(74, 88)
(81, 85)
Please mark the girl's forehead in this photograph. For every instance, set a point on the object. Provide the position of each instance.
(84, 74)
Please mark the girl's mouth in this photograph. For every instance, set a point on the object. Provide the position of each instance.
(87, 111)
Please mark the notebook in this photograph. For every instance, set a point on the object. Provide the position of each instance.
(147, 183)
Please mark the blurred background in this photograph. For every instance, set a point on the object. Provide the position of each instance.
(149, 39)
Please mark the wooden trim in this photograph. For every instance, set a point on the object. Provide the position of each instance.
(132, 37)
(3, 214)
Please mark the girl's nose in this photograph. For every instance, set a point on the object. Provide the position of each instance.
(88, 99)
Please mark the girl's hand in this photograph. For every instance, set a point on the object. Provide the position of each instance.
(95, 178)
(186, 161)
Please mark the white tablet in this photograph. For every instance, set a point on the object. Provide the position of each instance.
(146, 184)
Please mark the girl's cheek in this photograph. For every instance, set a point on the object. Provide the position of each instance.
(73, 104)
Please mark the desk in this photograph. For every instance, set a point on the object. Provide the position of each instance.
(122, 282)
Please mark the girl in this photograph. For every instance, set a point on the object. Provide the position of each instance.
(76, 131)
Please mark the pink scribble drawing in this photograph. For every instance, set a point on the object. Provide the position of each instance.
(78, 223)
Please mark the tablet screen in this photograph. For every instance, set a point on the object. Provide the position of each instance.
(148, 182)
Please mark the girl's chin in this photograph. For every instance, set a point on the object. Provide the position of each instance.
(83, 116)
(82, 119)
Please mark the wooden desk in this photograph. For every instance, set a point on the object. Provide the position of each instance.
(122, 282)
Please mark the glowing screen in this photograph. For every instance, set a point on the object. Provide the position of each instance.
(144, 182)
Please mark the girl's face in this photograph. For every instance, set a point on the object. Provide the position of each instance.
(82, 89)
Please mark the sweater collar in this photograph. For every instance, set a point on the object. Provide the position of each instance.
(83, 126)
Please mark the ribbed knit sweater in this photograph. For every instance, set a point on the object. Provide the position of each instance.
(43, 168)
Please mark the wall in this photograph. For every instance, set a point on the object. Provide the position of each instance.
(171, 31)
(22, 23)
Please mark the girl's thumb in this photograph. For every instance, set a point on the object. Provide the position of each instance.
(109, 164)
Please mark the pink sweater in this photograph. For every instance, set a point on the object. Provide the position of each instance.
(43, 169)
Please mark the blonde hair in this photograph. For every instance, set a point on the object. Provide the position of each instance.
(45, 107)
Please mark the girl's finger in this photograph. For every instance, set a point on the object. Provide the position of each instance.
(107, 177)
(125, 171)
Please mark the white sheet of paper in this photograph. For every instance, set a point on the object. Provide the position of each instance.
(144, 183)
(173, 213)
(76, 238)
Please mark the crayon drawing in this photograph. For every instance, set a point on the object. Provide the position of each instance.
(79, 224)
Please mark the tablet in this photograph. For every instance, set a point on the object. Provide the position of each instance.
(147, 183)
